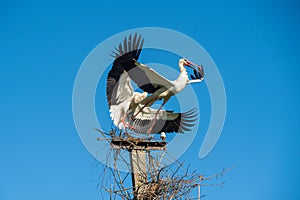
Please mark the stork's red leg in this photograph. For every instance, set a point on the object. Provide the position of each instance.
(126, 125)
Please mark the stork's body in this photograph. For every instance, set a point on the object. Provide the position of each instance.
(126, 68)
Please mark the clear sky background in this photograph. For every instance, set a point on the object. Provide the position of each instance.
(255, 45)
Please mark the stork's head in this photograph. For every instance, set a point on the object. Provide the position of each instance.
(198, 70)
(183, 62)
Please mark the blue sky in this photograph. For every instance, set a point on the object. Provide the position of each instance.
(255, 45)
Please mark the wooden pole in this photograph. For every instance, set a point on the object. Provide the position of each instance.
(137, 152)
(199, 195)
(138, 171)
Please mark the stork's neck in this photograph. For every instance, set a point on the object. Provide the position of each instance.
(181, 81)
(181, 67)
(183, 76)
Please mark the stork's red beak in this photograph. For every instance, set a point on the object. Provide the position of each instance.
(190, 64)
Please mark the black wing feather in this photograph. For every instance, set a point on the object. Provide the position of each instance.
(182, 123)
(126, 58)
(123, 57)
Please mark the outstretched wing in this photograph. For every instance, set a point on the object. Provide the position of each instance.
(146, 78)
(167, 121)
(119, 91)
(122, 58)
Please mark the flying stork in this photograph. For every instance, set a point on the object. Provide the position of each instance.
(130, 109)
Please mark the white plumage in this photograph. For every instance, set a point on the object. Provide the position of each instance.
(163, 136)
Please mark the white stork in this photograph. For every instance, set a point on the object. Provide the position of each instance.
(133, 108)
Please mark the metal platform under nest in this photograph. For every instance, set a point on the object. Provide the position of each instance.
(137, 144)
